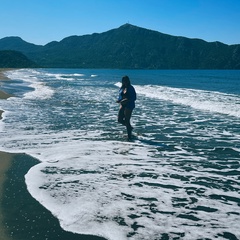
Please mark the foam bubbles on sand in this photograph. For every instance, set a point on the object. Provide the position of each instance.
(178, 178)
(124, 191)
(33, 79)
(91, 184)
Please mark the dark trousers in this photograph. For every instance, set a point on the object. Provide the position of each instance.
(124, 116)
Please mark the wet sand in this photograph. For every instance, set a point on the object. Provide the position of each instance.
(21, 216)
(2, 75)
(3, 95)
(5, 162)
(1, 111)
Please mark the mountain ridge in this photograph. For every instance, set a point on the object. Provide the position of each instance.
(129, 46)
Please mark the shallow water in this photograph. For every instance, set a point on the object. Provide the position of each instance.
(178, 178)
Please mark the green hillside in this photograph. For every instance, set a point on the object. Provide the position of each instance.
(129, 47)
(15, 59)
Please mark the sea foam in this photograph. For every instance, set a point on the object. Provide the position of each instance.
(203, 100)
(178, 178)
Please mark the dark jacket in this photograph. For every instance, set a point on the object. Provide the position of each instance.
(129, 94)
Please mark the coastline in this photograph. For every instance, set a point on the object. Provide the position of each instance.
(5, 163)
(3, 95)
(2, 75)
(21, 216)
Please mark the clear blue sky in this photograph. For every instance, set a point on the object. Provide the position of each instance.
(42, 21)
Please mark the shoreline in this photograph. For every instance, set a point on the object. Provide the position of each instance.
(21, 216)
(4, 95)
(5, 163)
(2, 73)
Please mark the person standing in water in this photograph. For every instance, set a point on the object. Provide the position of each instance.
(127, 98)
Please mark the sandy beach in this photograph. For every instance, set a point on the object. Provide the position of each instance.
(3, 95)
(21, 216)
(5, 162)
(2, 75)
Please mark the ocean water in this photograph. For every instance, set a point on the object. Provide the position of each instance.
(178, 179)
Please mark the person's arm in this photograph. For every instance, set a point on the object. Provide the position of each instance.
(120, 95)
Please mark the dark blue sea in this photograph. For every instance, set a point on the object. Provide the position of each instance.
(179, 178)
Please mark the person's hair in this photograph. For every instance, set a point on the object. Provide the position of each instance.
(126, 80)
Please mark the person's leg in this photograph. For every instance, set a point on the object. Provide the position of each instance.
(121, 116)
(128, 114)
